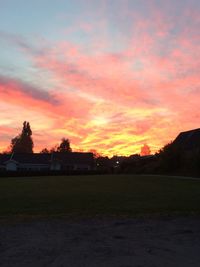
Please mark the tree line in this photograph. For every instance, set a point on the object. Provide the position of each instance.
(171, 159)
(23, 143)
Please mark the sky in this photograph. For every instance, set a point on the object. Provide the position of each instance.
(110, 75)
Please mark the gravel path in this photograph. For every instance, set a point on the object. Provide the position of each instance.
(101, 242)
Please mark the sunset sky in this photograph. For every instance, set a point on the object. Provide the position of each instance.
(110, 75)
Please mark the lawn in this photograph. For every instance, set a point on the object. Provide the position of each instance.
(117, 195)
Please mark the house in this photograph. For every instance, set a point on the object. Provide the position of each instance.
(71, 161)
(28, 162)
(187, 151)
(45, 162)
(188, 142)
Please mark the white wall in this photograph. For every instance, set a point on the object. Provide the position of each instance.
(33, 167)
(11, 166)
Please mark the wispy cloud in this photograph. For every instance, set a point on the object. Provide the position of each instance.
(10, 86)
(20, 42)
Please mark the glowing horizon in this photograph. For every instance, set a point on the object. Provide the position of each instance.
(110, 76)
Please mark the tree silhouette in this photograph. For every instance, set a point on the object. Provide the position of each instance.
(45, 151)
(64, 146)
(23, 143)
(170, 157)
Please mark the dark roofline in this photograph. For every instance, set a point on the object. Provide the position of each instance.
(188, 140)
(187, 132)
(46, 158)
(190, 131)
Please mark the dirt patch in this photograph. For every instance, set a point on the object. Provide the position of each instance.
(101, 242)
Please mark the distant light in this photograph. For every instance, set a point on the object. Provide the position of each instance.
(117, 162)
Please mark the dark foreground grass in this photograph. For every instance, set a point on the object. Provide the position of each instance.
(103, 195)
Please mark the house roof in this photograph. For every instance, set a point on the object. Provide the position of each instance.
(26, 158)
(45, 158)
(73, 157)
(188, 140)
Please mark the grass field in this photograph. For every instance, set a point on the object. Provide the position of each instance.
(124, 195)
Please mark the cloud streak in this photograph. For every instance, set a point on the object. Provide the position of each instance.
(13, 86)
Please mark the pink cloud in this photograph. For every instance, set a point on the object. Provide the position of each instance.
(114, 102)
